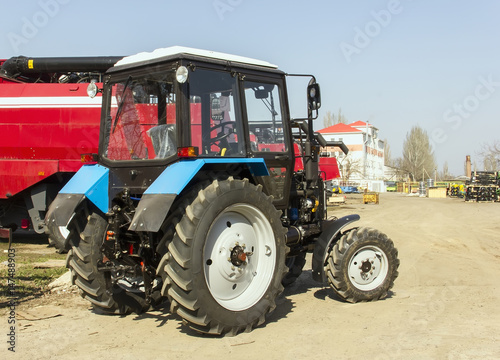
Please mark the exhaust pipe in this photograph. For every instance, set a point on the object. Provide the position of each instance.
(19, 65)
(293, 236)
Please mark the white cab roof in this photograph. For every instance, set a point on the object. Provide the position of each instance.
(174, 50)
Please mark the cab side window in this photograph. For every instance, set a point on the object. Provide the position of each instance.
(215, 120)
(265, 120)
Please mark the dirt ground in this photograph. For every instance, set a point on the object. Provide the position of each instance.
(444, 303)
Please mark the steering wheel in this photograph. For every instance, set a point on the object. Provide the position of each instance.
(221, 135)
(268, 136)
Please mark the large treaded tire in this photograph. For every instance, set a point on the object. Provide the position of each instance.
(195, 270)
(362, 265)
(96, 285)
(58, 237)
(295, 265)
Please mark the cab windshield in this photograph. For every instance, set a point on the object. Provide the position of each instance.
(141, 119)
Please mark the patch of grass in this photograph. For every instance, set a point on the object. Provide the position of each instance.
(30, 281)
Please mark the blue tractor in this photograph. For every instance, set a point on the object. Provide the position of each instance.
(195, 196)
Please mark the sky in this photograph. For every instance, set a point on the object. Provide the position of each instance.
(393, 63)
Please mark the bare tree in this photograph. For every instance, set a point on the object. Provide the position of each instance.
(490, 162)
(445, 173)
(388, 161)
(348, 167)
(491, 156)
(341, 117)
(418, 156)
(330, 119)
(401, 173)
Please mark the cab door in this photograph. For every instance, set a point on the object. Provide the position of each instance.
(268, 134)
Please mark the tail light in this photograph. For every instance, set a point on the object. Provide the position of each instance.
(25, 223)
(89, 159)
(188, 151)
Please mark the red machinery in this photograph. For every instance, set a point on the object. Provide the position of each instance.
(47, 121)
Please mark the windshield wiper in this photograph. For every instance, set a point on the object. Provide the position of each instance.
(120, 106)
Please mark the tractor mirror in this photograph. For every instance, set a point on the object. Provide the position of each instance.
(261, 94)
(313, 96)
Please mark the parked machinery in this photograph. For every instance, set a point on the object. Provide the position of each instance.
(483, 186)
(47, 121)
(206, 193)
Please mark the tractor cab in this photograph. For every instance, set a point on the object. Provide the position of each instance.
(179, 104)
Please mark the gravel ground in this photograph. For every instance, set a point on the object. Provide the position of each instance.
(444, 303)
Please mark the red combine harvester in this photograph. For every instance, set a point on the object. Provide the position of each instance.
(47, 122)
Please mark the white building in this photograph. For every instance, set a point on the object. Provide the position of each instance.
(364, 165)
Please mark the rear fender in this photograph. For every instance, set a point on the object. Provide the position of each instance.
(159, 197)
(330, 235)
(90, 182)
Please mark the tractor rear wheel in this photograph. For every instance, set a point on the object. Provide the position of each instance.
(295, 265)
(96, 285)
(224, 265)
(58, 237)
(362, 265)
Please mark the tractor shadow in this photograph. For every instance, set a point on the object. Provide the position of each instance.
(305, 283)
(284, 305)
(160, 313)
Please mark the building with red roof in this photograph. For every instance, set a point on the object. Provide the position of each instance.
(364, 165)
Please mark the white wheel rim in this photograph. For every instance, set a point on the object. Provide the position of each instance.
(239, 287)
(63, 230)
(368, 268)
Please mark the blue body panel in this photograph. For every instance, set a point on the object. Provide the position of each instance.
(91, 181)
(175, 177)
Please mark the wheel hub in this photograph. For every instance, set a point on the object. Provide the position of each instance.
(239, 256)
(368, 267)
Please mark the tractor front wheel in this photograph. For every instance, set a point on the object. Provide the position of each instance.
(362, 265)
